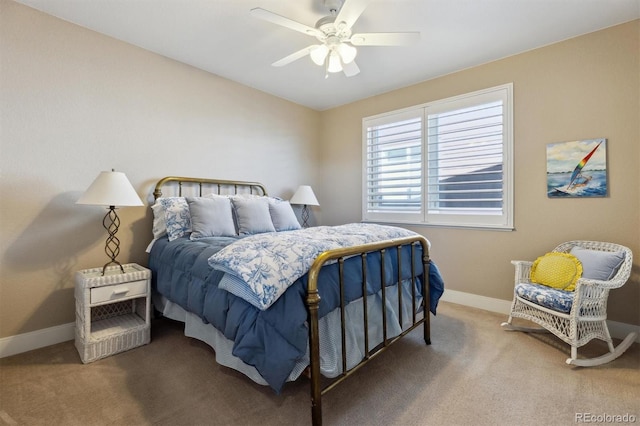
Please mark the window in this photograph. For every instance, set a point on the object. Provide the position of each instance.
(448, 162)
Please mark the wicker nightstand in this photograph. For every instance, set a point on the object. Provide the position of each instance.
(112, 311)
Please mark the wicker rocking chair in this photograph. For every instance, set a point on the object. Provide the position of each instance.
(578, 316)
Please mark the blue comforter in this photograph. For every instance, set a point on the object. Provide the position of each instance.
(271, 340)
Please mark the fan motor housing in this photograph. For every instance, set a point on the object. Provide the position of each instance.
(329, 28)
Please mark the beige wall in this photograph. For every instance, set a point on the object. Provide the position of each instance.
(74, 103)
(582, 88)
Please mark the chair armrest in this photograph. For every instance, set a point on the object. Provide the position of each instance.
(523, 271)
(590, 298)
(586, 282)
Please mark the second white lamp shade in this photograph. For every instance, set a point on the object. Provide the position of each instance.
(305, 196)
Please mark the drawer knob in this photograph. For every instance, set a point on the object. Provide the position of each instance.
(120, 291)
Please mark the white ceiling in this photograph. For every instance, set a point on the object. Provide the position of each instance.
(220, 36)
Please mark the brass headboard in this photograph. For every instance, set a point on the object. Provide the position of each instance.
(217, 185)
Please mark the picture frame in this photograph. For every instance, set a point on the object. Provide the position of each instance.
(577, 169)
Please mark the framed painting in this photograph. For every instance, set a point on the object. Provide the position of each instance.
(577, 169)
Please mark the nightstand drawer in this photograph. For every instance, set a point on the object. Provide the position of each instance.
(121, 291)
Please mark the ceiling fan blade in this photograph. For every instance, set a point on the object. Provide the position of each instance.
(294, 56)
(285, 22)
(350, 69)
(351, 11)
(384, 39)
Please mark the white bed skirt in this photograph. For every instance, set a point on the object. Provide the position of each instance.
(329, 331)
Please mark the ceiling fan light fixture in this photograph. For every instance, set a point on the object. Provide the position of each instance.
(335, 65)
(319, 54)
(347, 53)
(337, 47)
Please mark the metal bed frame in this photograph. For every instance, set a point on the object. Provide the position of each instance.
(313, 297)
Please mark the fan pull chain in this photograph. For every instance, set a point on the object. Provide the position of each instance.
(326, 67)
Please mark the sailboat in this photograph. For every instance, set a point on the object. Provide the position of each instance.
(578, 180)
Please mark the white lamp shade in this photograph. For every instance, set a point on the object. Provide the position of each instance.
(111, 189)
(334, 62)
(304, 195)
(347, 53)
(319, 54)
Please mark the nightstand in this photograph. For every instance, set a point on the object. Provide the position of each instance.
(112, 311)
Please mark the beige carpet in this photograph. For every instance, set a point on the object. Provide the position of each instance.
(474, 373)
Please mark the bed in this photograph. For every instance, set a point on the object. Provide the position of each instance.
(277, 301)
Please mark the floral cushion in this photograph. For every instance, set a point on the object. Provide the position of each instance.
(558, 300)
(177, 216)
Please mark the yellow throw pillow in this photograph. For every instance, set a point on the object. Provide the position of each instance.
(557, 270)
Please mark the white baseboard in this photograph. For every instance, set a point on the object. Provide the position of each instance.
(20, 343)
(618, 330)
(475, 301)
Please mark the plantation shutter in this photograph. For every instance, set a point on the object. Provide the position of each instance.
(446, 163)
(393, 166)
(466, 157)
(465, 160)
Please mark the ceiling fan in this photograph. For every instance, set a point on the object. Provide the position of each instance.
(336, 51)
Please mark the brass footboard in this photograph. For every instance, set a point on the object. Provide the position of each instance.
(313, 301)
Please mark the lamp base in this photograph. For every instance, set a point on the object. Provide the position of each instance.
(305, 216)
(113, 262)
(111, 223)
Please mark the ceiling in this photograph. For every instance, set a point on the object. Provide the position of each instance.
(221, 37)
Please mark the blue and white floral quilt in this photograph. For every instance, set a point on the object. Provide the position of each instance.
(261, 267)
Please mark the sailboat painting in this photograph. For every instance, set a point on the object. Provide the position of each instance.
(577, 169)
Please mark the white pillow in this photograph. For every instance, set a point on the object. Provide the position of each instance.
(211, 217)
(252, 215)
(282, 215)
(214, 195)
(159, 222)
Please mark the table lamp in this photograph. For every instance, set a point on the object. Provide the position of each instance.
(304, 195)
(111, 189)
